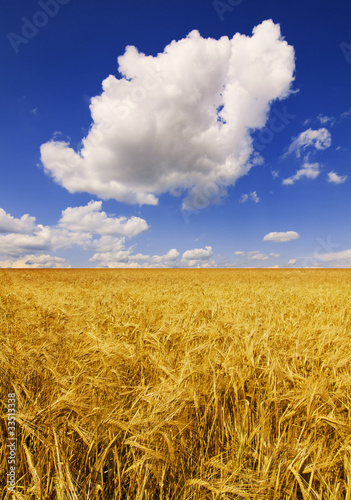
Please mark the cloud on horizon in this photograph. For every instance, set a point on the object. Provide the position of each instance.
(198, 257)
(252, 255)
(35, 261)
(88, 227)
(340, 259)
(281, 237)
(91, 229)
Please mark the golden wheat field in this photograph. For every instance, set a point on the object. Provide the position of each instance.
(177, 384)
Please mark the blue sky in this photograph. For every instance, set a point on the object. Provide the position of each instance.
(219, 138)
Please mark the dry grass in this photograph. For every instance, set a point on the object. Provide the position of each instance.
(178, 384)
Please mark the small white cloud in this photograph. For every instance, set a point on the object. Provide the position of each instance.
(256, 256)
(275, 174)
(112, 253)
(335, 178)
(291, 262)
(346, 113)
(252, 255)
(309, 171)
(108, 259)
(123, 258)
(91, 219)
(198, 257)
(324, 120)
(56, 134)
(281, 237)
(172, 254)
(319, 139)
(273, 254)
(197, 253)
(167, 260)
(252, 196)
(34, 111)
(244, 197)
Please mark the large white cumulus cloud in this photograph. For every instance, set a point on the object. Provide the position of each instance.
(179, 121)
